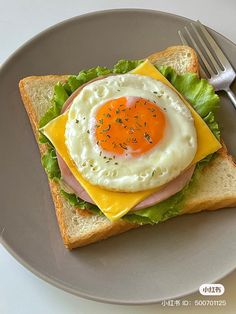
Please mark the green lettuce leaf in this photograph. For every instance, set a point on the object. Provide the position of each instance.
(124, 66)
(78, 202)
(197, 91)
(213, 125)
(83, 77)
(49, 162)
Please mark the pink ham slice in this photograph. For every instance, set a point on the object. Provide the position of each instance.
(167, 191)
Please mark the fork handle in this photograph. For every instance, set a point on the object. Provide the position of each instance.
(231, 96)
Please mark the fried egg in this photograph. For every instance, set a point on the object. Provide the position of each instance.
(130, 133)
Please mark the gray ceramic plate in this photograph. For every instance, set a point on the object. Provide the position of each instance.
(144, 265)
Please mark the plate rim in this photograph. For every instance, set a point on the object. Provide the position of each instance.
(47, 277)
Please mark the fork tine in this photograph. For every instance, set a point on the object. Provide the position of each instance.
(184, 42)
(201, 56)
(220, 55)
(210, 55)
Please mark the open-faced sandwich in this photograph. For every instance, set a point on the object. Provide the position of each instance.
(132, 145)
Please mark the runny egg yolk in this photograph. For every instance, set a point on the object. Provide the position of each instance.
(129, 126)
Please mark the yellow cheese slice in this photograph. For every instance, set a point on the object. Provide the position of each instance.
(116, 204)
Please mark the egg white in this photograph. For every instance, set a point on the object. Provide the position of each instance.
(156, 167)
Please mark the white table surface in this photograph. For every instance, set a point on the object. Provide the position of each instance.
(21, 292)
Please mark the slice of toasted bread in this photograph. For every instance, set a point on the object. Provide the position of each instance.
(216, 187)
(182, 58)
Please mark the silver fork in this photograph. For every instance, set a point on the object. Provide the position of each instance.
(214, 64)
